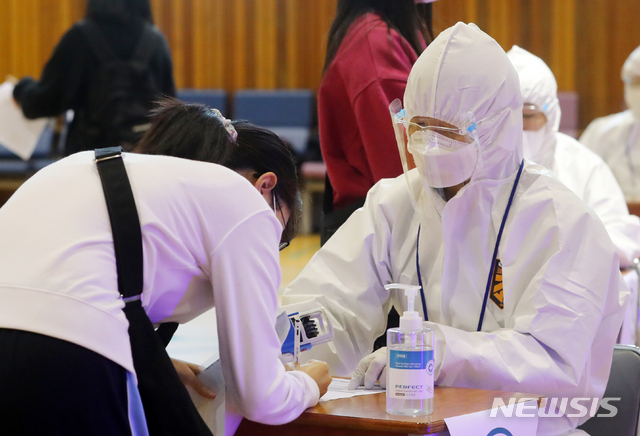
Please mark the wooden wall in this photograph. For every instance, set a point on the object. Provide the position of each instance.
(236, 44)
(585, 42)
(229, 44)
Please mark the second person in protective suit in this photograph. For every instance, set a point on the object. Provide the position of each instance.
(520, 280)
(579, 168)
(616, 137)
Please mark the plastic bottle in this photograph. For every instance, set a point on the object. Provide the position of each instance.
(410, 361)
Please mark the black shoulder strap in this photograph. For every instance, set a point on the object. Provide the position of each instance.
(98, 43)
(125, 224)
(167, 406)
(146, 46)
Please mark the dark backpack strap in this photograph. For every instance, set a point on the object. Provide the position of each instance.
(125, 225)
(169, 410)
(97, 42)
(146, 45)
(165, 332)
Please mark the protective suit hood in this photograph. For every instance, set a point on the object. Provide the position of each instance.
(538, 86)
(631, 67)
(631, 71)
(463, 73)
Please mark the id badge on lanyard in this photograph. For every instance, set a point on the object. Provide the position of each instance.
(494, 259)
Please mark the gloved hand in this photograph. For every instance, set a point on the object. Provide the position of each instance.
(370, 369)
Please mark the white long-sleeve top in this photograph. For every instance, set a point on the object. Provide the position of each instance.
(209, 239)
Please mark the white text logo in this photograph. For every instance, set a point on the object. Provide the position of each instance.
(555, 407)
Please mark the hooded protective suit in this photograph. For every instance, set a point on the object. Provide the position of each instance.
(582, 171)
(552, 327)
(616, 138)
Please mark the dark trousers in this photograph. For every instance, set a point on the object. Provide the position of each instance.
(52, 387)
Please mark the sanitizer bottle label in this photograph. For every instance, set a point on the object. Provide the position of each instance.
(410, 374)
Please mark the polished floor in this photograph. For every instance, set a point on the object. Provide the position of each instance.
(296, 256)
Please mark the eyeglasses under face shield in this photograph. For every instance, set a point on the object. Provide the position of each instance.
(398, 115)
(632, 81)
(446, 155)
(534, 117)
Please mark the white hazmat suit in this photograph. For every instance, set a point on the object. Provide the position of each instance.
(563, 293)
(616, 138)
(581, 170)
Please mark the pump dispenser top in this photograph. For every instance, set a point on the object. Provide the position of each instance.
(410, 319)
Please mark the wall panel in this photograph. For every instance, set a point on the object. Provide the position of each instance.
(584, 42)
(235, 44)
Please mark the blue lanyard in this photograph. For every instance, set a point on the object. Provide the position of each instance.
(493, 262)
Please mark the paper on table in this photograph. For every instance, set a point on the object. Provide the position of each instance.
(219, 414)
(498, 425)
(17, 133)
(338, 389)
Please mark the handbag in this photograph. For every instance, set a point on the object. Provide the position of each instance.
(167, 405)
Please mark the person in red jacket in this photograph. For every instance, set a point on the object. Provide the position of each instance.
(372, 47)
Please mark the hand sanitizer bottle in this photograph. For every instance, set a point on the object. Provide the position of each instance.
(410, 362)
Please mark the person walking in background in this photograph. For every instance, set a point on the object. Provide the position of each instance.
(109, 69)
(616, 138)
(372, 47)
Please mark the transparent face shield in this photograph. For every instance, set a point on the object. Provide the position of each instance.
(536, 142)
(446, 156)
(533, 116)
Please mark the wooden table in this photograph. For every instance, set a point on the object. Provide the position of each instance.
(366, 415)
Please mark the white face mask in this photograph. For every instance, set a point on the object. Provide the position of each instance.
(442, 161)
(533, 145)
(632, 98)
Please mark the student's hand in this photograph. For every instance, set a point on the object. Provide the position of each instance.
(371, 368)
(319, 372)
(188, 375)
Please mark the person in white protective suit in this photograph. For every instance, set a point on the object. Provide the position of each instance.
(579, 168)
(546, 319)
(616, 137)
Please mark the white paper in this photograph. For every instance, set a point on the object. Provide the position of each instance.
(196, 341)
(17, 134)
(481, 423)
(219, 414)
(338, 389)
(212, 411)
